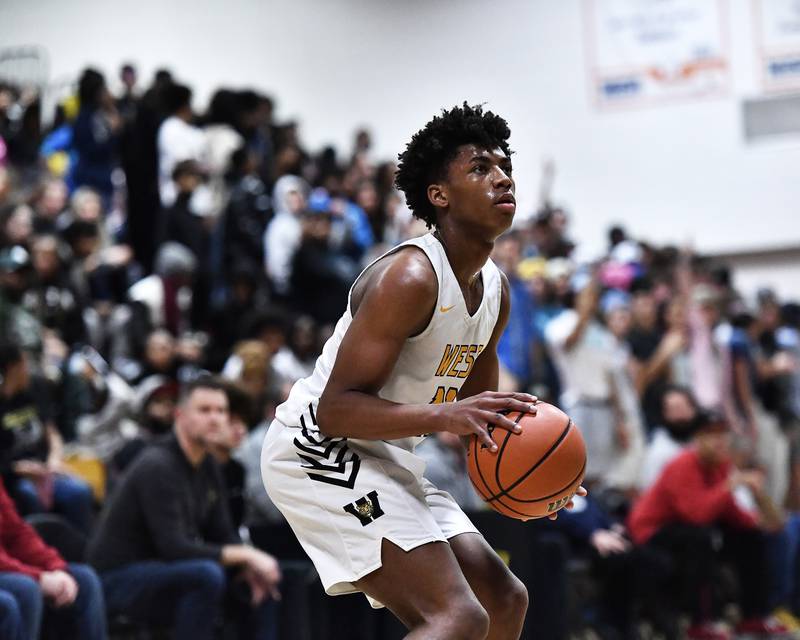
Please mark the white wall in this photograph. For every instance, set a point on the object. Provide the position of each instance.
(778, 270)
(667, 172)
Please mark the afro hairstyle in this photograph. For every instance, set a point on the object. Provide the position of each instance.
(432, 148)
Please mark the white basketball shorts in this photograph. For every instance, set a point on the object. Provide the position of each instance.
(343, 497)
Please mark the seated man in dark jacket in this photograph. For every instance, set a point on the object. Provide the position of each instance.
(165, 538)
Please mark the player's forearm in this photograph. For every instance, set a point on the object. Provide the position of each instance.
(354, 414)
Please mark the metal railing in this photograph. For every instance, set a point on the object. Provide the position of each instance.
(28, 67)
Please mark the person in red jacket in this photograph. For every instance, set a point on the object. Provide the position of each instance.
(37, 583)
(703, 510)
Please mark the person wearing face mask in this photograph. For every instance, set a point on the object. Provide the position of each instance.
(679, 411)
(97, 400)
(695, 514)
(153, 409)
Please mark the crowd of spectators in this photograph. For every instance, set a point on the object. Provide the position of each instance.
(166, 275)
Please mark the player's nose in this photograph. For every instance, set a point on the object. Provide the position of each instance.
(501, 179)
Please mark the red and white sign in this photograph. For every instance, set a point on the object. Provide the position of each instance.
(777, 24)
(646, 51)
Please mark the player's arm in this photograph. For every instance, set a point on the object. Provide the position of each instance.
(398, 303)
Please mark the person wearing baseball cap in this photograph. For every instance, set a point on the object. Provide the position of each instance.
(703, 511)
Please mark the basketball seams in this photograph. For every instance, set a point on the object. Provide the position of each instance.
(477, 459)
(552, 495)
(500, 456)
(505, 506)
(504, 491)
(500, 497)
(526, 516)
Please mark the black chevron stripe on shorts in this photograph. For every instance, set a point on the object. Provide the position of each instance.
(326, 459)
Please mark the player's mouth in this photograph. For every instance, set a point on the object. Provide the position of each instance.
(506, 202)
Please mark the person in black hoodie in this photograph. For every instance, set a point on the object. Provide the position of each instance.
(140, 163)
(181, 225)
(231, 322)
(185, 227)
(248, 211)
(321, 278)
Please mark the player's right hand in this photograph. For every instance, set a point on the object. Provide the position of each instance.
(476, 414)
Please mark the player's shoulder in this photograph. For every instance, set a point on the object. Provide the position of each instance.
(403, 276)
(410, 266)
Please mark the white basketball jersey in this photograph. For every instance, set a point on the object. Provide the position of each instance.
(432, 365)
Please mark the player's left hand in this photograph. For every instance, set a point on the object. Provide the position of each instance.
(581, 492)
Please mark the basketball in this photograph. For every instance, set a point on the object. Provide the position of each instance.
(535, 472)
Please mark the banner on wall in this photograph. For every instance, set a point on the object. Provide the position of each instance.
(647, 51)
(778, 38)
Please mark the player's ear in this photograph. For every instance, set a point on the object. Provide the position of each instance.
(437, 195)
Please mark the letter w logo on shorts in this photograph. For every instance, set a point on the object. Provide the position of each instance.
(366, 509)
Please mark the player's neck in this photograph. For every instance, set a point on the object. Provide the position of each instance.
(466, 254)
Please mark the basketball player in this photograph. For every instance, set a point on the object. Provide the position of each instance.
(414, 353)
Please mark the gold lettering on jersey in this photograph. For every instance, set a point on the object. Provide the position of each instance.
(457, 360)
(444, 395)
(462, 350)
(447, 359)
(469, 360)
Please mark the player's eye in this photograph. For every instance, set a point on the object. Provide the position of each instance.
(479, 168)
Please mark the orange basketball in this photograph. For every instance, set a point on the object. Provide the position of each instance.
(535, 472)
